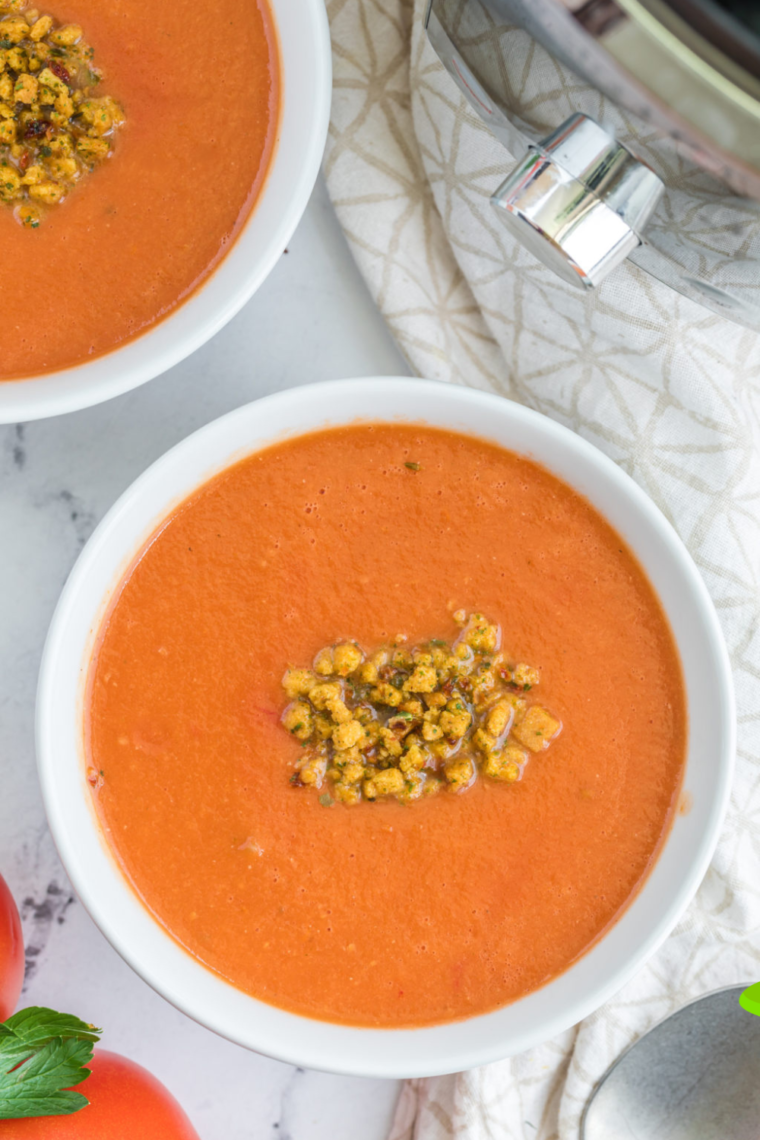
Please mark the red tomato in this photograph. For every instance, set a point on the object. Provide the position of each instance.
(126, 1103)
(11, 952)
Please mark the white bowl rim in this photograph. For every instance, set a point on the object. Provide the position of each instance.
(390, 1053)
(303, 120)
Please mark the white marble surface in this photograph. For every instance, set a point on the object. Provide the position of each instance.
(312, 320)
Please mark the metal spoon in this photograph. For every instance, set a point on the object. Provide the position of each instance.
(695, 1076)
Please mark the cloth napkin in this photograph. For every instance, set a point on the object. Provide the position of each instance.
(666, 388)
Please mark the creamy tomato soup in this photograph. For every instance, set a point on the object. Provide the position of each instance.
(198, 87)
(383, 913)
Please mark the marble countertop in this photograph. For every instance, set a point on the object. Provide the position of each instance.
(312, 320)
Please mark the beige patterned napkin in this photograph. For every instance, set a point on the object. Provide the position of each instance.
(669, 390)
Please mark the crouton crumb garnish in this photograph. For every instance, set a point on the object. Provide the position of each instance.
(405, 723)
(56, 125)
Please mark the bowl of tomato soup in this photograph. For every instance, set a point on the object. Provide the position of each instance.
(213, 126)
(385, 727)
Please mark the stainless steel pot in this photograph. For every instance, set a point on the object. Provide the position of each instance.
(580, 198)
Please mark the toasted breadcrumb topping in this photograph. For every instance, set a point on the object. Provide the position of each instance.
(408, 722)
(55, 124)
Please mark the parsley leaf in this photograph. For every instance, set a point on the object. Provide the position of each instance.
(42, 1054)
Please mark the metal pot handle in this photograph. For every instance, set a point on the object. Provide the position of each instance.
(580, 200)
(577, 199)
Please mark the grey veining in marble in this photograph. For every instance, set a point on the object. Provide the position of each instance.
(312, 320)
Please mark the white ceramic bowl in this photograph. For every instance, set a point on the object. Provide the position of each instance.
(306, 83)
(203, 995)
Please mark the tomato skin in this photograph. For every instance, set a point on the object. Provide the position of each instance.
(126, 1103)
(11, 952)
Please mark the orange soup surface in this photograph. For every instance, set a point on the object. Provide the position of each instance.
(381, 913)
(198, 87)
